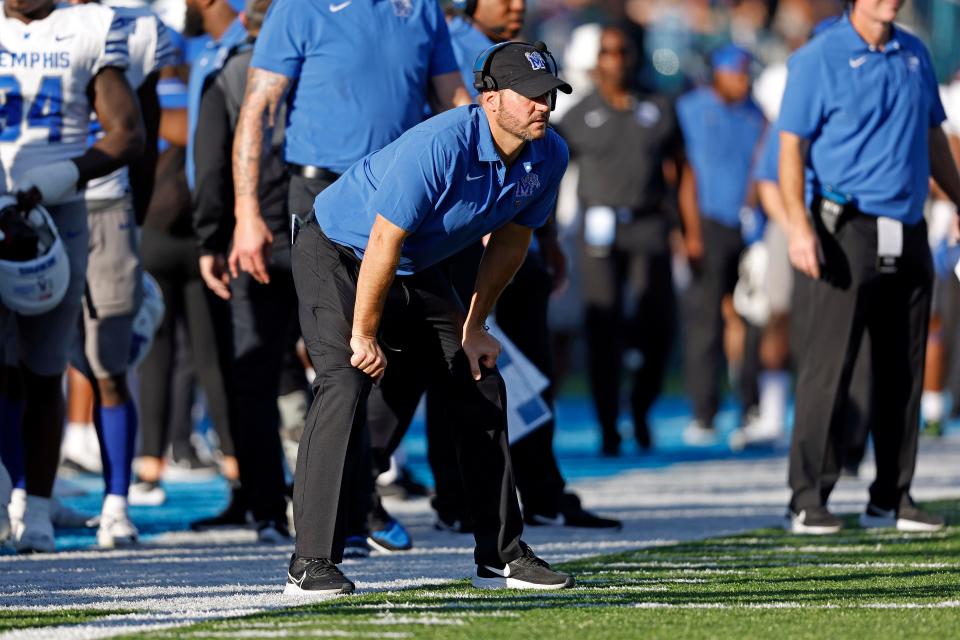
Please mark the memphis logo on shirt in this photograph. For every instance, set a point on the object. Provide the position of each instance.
(34, 59)
(528, 185)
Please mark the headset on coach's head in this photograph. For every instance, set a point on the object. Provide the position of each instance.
(483, 81)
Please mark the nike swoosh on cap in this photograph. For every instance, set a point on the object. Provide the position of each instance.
(339, 7)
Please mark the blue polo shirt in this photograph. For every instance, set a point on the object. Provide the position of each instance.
(721, 141)
(444, 182)
(209, 62)
(867, 114)
(468, 43)
(362, 68)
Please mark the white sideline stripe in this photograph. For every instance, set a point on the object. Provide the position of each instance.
(947, 604)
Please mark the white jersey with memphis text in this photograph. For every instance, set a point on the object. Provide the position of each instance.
(150, 49)
(46, 67)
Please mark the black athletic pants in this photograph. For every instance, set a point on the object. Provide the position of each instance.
(832, 313)
(262, 318)
(423, 316)
(636, 268)
(173, 261)
(713, 279)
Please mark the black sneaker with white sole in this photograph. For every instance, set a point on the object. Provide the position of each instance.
(908, 518)
(526, 572)
(315, 577)
(570, 514)
(816, 521)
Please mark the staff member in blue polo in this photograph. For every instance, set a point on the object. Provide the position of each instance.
(353, 90)
(861, 111)
(370, 254)
(721, 127)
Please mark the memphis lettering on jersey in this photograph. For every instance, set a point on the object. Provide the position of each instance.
(34, 60)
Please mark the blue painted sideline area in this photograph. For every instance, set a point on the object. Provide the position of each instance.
(577, 444)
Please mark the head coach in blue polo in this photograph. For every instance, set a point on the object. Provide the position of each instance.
(862, 113)
(372, 251)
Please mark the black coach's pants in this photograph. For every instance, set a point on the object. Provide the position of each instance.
(832, 314)
(715, 278)
(263, 317)
(638, 262)
(421, 310)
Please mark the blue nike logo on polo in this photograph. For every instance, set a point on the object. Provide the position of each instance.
(72, 234)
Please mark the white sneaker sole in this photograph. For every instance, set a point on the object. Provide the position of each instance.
(792, 526)
(911, 526)
(513, 583)
(376, 546)
(147, 499)
(293, 591)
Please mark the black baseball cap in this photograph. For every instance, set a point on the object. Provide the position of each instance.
(525, 69)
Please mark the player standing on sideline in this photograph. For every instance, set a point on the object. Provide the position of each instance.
(353, 90)
(116, 206)
(439, 188)
(621, 140)
(721, 128)
(59, 63)
(862, 113)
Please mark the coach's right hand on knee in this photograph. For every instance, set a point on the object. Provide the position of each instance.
(368, 357)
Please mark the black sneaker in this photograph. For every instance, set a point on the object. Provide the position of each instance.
(453, 523)
(526, 572)
(314, 577)
(273, 532)
(817, 521)
(235, 515)
(909, 518)
(571, 514)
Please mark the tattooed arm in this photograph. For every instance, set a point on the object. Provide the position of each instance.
(251, 237)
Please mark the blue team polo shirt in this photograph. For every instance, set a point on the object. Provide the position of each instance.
(468, 43)
(444, 182)
(208, 62)
(362, 68)
(721, 140)
(867, 114)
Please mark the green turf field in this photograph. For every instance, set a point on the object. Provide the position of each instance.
(859, 584)
(11, 619)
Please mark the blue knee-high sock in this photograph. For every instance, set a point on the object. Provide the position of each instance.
(11, 440)
(117, 430)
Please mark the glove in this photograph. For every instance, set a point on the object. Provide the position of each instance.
(56, 182)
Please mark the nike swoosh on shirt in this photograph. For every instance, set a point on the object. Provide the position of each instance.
(340, 7)
(472, 178)
(62, 38)
(857, 62)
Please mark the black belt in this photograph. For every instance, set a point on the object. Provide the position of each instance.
(311, 172)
